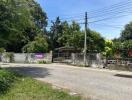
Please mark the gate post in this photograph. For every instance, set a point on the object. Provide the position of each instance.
(51, 55)
(73, 58)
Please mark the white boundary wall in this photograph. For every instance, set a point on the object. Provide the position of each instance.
(93, 59)
(26, 57)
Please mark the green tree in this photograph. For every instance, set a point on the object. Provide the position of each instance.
(124, 42)
(127, 32)
(127, 44)
(108, 51)
(19, 23)
(39, 16)
(55, 33)
(65, 34)
(95, 42)
(75, 38)
(72, 36)
(39, 45)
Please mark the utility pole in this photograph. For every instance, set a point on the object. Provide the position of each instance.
(85, 41)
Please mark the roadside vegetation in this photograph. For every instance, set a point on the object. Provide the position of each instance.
(17, 87)
(121, 45)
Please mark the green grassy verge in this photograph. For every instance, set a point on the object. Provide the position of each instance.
(17, 87)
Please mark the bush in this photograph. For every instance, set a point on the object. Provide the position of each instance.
(42, 62)
(59, 59)
(6, 80)
(2, 50)
(10, 55)
(38, 45)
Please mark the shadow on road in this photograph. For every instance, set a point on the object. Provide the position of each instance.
(35, 72)
(122, 75)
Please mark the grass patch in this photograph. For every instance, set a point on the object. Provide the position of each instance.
(43, 62)
(6, 80)
(17, 87)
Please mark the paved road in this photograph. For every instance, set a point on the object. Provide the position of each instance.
(94, 83)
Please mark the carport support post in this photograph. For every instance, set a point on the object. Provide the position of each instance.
(85, 41)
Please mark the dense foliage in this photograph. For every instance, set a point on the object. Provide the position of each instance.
(20, 22)
(38, 45)
(124, 43)
(127, 32)
(63, 34)
(108, 51)
(6, 80)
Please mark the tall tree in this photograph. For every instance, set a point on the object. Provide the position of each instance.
(19, 24)
(72, 36)
(13, 20)
(65, 34)
(39, 16)
(55, 33)
(124, 43)
(95, 41)
(127, 32)
(39, 45)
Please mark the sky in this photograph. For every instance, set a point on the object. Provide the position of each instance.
(75, 10)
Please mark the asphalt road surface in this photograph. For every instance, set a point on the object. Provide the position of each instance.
(97, 84)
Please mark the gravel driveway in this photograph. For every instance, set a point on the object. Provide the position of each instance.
(94, 83)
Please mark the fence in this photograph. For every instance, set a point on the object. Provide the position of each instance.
(62, 57)
(120, 61)
(26, 57)
(119, 64)
(92, 59)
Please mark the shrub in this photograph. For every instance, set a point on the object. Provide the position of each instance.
(59, 59)
(6, 80)
(42, 62)
(10, 55)
(38, 45)
(2, 50)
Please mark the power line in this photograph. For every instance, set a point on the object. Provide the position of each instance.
(115, 6)
(80, 19)
(104, 19)
(107, 13)
(69, 18)
(104, 9)
(110, 26)
(80, 23)
(124, 8)
(110, 8)
(120, 8)
(113, 13)
(108, 18)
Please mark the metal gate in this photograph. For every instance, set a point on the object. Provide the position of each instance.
(62, 57)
